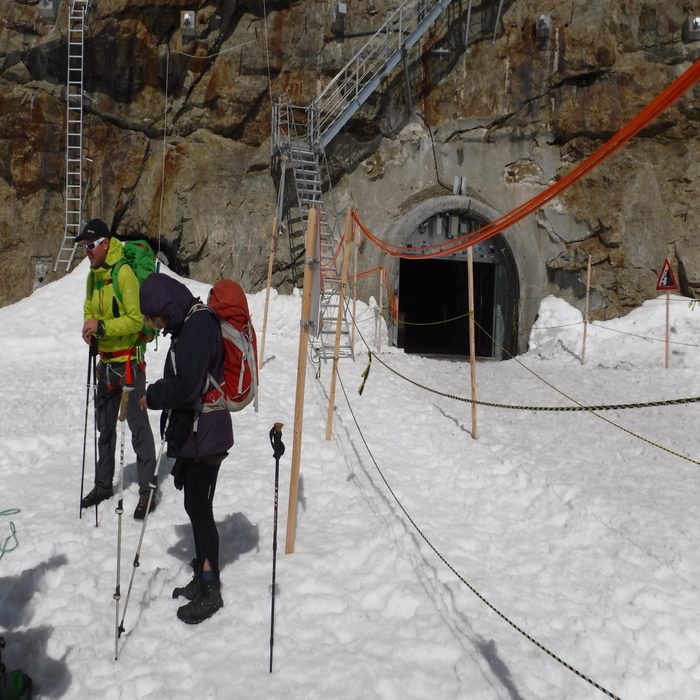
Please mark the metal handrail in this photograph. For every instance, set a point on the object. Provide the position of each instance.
(387, 42)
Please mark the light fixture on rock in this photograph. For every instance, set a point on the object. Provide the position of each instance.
(188, 23)
(340, 11)
(543, 27)
(691, 29)
(47, 11)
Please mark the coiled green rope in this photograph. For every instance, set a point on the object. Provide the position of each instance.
(13, 533)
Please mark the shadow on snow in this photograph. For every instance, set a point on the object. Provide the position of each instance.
(26, 649)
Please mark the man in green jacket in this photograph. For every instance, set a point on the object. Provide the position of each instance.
(116, 323)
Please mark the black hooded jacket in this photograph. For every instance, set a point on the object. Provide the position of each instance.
(196, 350)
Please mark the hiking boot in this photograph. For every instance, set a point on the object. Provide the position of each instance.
(140, 512)
(207, 602)
(191, 590)
(97, 495)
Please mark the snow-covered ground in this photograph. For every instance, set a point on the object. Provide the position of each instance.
(569, 524)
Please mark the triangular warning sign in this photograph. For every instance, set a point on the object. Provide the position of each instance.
(666, 281)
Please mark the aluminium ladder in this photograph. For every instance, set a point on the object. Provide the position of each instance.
(74, 132)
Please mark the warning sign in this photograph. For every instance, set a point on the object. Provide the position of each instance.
(667, 280)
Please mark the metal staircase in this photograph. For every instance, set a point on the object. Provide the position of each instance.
(303, 133)
(365, 71)
(74, 132)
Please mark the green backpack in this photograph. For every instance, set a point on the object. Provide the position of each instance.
(139, 256)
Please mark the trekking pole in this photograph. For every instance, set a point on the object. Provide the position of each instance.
(93, 345)
(3, 674)
(152, 485)
(87, 405)
(277, 452)
(119, 511)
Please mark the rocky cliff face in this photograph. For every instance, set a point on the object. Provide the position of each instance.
(177, 133)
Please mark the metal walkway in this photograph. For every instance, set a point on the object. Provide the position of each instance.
(302, 134)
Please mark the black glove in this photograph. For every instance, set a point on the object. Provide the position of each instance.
(178, 472)
(179, 428)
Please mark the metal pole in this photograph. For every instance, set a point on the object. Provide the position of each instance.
(668, 327)
(152, 486)
(119, 511)
(94, 413)
(498, 17)
(87, 404)
(469, 19)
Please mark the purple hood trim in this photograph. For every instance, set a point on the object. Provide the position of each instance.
(164, 296)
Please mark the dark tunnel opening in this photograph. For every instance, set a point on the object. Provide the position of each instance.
(432, 310)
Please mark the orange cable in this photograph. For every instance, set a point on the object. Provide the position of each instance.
(675, 90)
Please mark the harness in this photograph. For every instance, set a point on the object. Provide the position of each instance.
(128, 355)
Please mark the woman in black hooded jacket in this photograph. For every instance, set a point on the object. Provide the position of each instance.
(199, 441)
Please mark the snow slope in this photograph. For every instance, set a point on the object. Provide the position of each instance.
(568, 523)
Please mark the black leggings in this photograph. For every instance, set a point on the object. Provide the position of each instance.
(200, 485)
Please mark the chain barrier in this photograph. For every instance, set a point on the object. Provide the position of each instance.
(493, 404)
(593, 410)
(442, 558)
(399, 322)
(646, 337)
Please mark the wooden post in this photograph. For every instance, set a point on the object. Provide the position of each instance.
(380, 310)
(273, 251)
(668, 327)
(347, 239)
(472, 340)
(585, 312)
(355, 246)
(301, 379)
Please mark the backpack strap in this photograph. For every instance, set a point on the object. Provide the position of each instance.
(209, 401)
(115, 279)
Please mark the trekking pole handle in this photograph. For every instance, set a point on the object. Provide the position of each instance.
(123, 404)
(276, 440)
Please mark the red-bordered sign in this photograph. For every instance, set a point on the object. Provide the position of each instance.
(667, 280)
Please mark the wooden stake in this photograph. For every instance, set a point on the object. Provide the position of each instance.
(472, 341)
(585, 312)
(668, 326)
(347, 238)
(380, 310)
(273, 251)
(355, 246)
(301, 379)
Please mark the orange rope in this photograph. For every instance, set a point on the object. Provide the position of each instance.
(675, 90)
(367, 273)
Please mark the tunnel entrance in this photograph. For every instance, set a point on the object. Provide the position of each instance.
(433, 307)
(432, 297)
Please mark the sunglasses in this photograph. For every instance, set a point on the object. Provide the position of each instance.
(93, 244)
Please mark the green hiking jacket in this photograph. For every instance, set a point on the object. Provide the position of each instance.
(122, 320)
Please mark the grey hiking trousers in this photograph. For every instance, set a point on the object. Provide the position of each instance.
(111, 376)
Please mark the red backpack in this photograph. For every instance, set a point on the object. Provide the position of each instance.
(240, 386)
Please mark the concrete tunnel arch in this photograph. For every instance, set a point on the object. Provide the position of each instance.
(431, 294)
